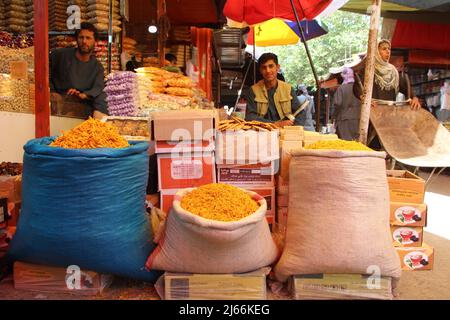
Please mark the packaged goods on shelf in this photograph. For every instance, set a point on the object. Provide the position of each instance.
(122, 93)
(242, 286)
(14, 95)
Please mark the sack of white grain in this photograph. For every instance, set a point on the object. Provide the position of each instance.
(338, 215)
(193, 243)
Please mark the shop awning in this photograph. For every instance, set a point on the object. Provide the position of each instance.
(416, 35)
(431, 11)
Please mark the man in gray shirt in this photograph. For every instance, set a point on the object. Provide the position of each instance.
(76, 73)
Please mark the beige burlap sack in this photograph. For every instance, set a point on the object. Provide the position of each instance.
(338, 215)
(194, 244)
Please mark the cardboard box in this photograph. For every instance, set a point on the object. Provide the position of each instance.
(12, 186)
(54, 279)
(407, 236)
(185, 286)
(282, 186)
(184, 125)
(188, 146)
(408, 214)
(405, 186)
(246, 147)
(282, 200)
(281, 217)
(416, 258)
(268, 193)
(247, 175)
(340, 286)
(187, 170)
(166, 199)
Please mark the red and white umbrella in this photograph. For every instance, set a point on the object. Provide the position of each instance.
(257, 11)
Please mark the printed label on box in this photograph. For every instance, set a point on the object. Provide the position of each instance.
(416, 260)
(408, 214)
(186, 169)
(407, 236)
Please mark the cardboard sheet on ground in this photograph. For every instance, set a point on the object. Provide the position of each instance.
(415, 138)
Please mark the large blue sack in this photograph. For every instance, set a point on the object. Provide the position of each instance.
(85, 207)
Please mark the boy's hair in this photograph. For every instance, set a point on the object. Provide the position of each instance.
(266, 57)
(87, 26)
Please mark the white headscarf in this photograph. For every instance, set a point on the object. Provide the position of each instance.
(348, 75)
(386, 74)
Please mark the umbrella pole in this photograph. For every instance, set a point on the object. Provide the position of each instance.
(254, 57)
(369, 71)
(302, 35)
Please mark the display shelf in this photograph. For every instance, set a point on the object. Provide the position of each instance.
(435, 80)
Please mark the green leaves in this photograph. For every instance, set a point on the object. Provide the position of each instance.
(348, 34)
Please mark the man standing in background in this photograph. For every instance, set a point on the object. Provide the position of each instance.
(76, 73)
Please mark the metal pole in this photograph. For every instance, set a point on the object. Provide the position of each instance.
(110, 34)
(369, 71)
(302, 36)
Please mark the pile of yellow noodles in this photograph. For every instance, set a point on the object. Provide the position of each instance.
(91, 134)
(219, 201)
(338, 145)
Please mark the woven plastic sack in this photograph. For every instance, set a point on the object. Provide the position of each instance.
(191, 243)
(338, 218)
(85, 207)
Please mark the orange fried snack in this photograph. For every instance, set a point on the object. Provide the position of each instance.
(91, 134)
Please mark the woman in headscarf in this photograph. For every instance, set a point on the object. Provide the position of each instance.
(387, 80)
(347, 108)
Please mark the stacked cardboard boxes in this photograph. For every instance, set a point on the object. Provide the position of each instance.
(184, 145)
(408, 217)
(249, 160)
(290, 138)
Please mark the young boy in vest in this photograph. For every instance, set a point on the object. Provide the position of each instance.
(272, 100)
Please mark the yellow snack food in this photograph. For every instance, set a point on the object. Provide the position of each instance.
(219, 201)
(91, 134)
(338, 145)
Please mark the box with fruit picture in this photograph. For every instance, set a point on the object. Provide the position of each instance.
(416, 258)
(407, 236)
(408, 214)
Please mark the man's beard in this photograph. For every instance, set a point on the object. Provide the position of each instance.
(85, 51)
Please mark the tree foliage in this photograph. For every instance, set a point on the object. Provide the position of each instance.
(347, 32)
